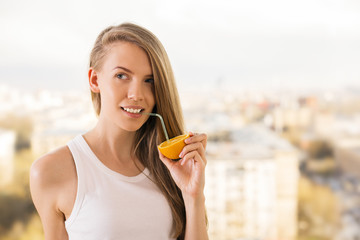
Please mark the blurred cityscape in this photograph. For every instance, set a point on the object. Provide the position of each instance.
(282, 164)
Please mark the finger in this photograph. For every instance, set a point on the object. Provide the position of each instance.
(189, 156)
(195, 156)
(197, 138)
(197, 146)
(196, 135)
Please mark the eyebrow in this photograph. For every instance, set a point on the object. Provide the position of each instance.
(124, 68)
(129, 71)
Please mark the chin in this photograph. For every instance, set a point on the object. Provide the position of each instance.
(131, 127)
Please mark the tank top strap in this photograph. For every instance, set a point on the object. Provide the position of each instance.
(75, 146)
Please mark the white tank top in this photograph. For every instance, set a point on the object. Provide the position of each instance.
(111, 206)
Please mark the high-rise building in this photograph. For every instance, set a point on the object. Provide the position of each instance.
(347, 155)
(7, 150)
(251, 187)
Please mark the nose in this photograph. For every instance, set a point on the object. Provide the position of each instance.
(135, 91)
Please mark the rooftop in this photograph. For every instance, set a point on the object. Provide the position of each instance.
(254, 141)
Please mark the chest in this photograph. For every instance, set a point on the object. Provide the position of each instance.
(125, 209)
(128, 202)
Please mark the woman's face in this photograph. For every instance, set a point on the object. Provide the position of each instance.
(126, 85)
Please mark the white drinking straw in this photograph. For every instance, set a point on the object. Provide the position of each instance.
(162, 122)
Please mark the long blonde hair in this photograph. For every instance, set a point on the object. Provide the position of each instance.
(167, 104)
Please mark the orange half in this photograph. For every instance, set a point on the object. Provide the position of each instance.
(173, 147)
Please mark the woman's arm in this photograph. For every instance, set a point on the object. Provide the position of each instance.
(46, 184)
(195, 218)
(189, 175)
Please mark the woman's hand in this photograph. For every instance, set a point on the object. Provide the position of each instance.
(189, 172)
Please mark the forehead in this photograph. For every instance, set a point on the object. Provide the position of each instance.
(127, 55)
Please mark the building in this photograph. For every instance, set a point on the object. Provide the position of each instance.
(251, 186)
(347, 155)
(44, 142)
(56, 125)
(7, 149)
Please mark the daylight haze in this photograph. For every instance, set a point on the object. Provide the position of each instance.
(46, 44)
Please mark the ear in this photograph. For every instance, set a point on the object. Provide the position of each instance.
(93, 80)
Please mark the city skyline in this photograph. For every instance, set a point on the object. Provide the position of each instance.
(255, 144)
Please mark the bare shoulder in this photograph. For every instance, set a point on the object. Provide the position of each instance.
(53, 168)
(53, 188)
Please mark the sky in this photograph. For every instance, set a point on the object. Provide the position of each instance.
(217, 44)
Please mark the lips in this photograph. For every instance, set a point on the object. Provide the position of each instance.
(133, 109)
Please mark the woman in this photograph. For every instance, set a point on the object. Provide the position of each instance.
(110, 183)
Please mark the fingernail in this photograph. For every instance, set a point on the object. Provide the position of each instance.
(181, 154)
(187, 140)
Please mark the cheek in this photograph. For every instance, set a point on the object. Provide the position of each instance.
(113, 91)
(109, 98)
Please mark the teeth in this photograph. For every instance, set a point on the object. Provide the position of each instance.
(131, 110)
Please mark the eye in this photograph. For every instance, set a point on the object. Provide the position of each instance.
(121, 76)
(150, 80)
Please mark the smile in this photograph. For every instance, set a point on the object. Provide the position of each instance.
(132, 110)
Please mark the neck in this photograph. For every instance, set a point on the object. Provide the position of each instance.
(115, 143)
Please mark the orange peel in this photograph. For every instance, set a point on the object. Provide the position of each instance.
(173, 147)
